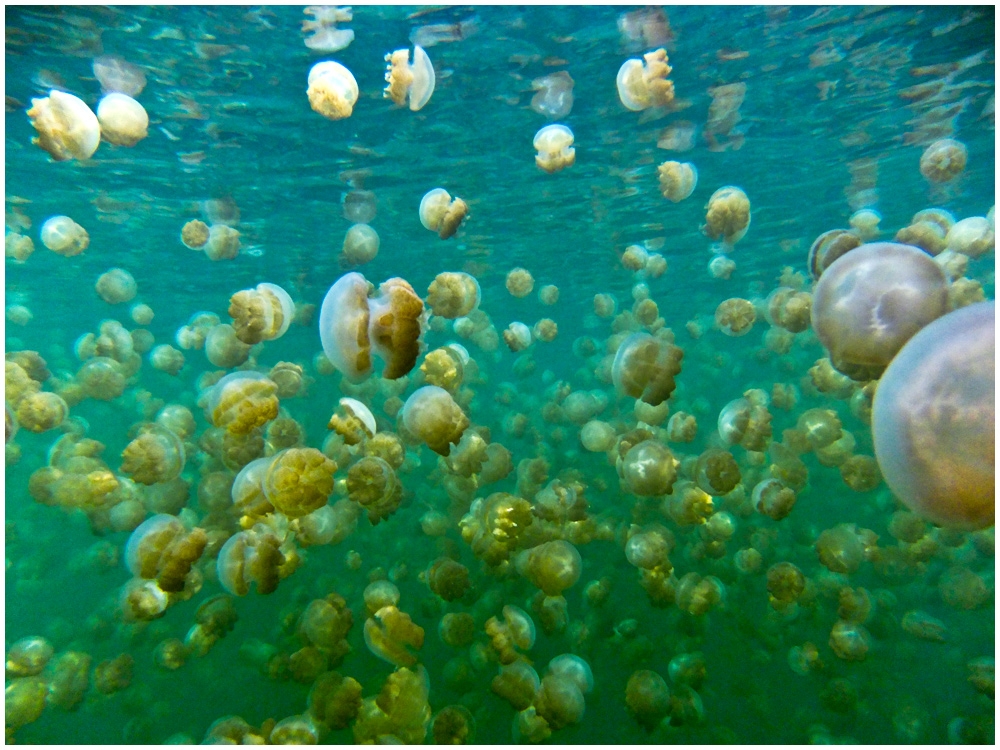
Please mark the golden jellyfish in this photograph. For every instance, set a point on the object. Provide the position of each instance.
(433, 416)
(933, 420)
(28, 656)
(828, 247)
(772, 499)
(721, 267)
(409, 83)
(326, 37)
(440, 213)
(517, 336)
(141, 314)
(123, 120)
(872, 300)
(332, 90)
(554, 95)
(520, 282)
(162, 549)
(517, 683)
(735, 317)
(240, 402)
(648, 550)
(117, 74)
(24, 701)
(63, 236)
(973, 237)
(353, 421)
(354, 327)
(361, 245)
(716, 472)
(643, 83)
(67, 127)
(453, 294)
(69, 679)
(390, 634)
(453, 725)
(223, 242)
(789, 310)
(19, 247)
(299, 481)
(195, 234)
(154, 455)
(728, 215)
(649, 469)
(372, 483)
(552, 566)
(554, 144)
(289, 377)
(41, 411)
(19, 315)
(677, 180)
(252, 556)
(116, 286)
(785, 584)
(548, 294)
(261, 314)
(648, 698)
(379, 594)
(943, 160)
(645, 366)
(448, 579)
(850, 641)
(334, 700)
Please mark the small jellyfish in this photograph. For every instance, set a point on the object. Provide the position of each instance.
(354, 326)
(123, 120)
(554, 97)
(728, 215)
(41, 411)
(648, 698)
(517, 337)
(520, 282)
(973, 237)
(440, 213)
(453, 294)
(240, 402)
(67, 127)
(721, 267)
(677, 180)
(19, 247)
(223, 242)
(645, 367)
(361, 245)
(332, 90)
(116, 286)
(643, 83)
(735, 317)
(409, 83)
(933, 420)
(326, 37)
(390, 634)
(865, 223)
(261, 314)
(63, 236)
(195, 234)
(251, 556)
(353, 421)
(298, 481)
(943, 160)
(162, 549)
(154, 455)
(828, 247)
(649, 469)
(552, 566)
(871, 301)
(116, 74)
(432, 415)
(554, 144)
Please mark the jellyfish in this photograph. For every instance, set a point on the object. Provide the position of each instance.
(194, 234)
(123, 120)
(298, 481)
(354, 326)
(648, 698)
(554, 144)
(332, 90)
(973, 237)
(261, 314)
(326, 37)
(67, 127)
(116, 286)
(240, 402)
(453, 294)
(223, 242)
(431, 414)
(933, 420)
(872, 300)
(116, 74)
(162, 549)
(517, 336)
(552, 566)
(520, 282)
(828, 247)
(677, 180)
(643, 83)
(408, 83)
(63, 236)
(649, 469)
(943, 160)
(440, 213)
(645, 367)
(728, 215)
(361, 245)
(154, 455)
(353, 421)
(554, 97)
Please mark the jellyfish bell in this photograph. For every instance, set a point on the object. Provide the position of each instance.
(933, 420)
(554, 144)
(440, 213)
(643, 83)
(123, 120)
(67, 127)
(332, 90)
(63, 236)
(432, 415)
(645, 367)
(554, 95)
(409, 83)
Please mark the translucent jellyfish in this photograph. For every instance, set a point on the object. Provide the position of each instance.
(372, 483)
(933, 420)
(161, 548)
(223, 242)
(326, 37)
(390, 634)
(645, 367)
(735, 317)
(240, 402)
(943, 160)
(453, 725)
(728, 215)
(520, 282)
(123, 120)
(677, 180)
(41, 411)
(973, 237)
(865, 223)
(721, 267)
(261, 314)
(223, 348)
(649, 469)
(19, 247)
(828, 247)
(248, 557)
(548, 294)
(354, 326)
(643, 83)
(67, 127)
(332, 90)
(116, 74)
(361, 245)
(409, 83)
(517, 336)
(194, 234)
(298, 481)
(554, 144)
(453, 294)
(648, 698)
(63, 236)
(872, 300)
(439, 213)
(353, 421)
(359, 206)
(116, 286)
(545, 329)
(552, 566)
(431, 414)
(554, 97)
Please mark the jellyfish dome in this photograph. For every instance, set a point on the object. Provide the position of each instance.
(934, 420)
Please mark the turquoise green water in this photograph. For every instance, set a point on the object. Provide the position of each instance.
(832, 122)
